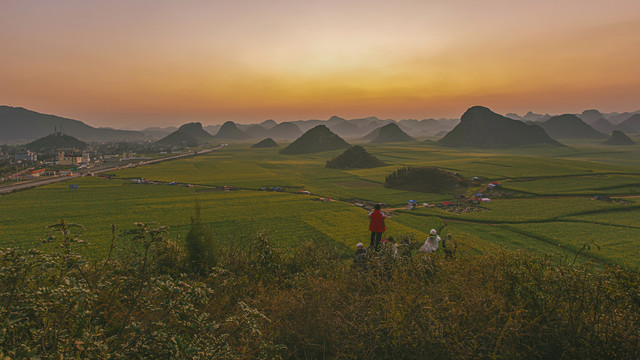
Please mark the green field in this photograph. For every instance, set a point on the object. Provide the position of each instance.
(547, 207)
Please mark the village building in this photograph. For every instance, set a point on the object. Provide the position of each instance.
(69, 157)
(25, 155)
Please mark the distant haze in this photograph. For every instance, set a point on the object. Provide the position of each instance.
(145, 63)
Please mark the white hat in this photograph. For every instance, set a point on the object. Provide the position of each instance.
(433, 232)
(359, 245)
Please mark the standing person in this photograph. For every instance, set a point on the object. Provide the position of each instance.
(431, 244)
(449, 246)
(376, 226)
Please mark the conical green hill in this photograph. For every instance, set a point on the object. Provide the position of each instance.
(317, 139)
(619, 138)
(356, 157)
(266, 143)
(391, 133)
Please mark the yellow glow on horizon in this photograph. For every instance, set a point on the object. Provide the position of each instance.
(291, 60)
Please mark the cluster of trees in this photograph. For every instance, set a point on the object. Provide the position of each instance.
(425, 179)
(151, 297)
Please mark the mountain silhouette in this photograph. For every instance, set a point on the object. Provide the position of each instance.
(317, 139)
(356, 157)
(603, 125)
(285, 130)
(268, 124)
(196, 131)
(21, 125)
(178, 138)
(257, 131)
(591, 116)
(631, 125)
(306, 125)
(155, 132)
(481, 127)
(266, 143)
(53, 142)
(229, 131)
(569, 126)
(191, 134)
(618, 118)
(619, 138)
(391, 133)
(334, 120)
(345, 128)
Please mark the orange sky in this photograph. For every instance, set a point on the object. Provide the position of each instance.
(143, 63)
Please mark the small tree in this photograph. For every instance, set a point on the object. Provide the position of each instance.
(200, 245)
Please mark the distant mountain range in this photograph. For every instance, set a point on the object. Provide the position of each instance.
(19, 125)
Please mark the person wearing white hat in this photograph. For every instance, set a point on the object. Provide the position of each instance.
(361, 254)
(431, 244)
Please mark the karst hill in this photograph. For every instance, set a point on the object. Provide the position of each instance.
(481, 127)
(590, 116)
(191, 134)
(317, 139)
(266, 143)
(229, 131)
(53, 142)
(284, 130)
(631, 125)
(390, 133)
(619, 138)
(569, 126)
(603, 125)
(356, 157)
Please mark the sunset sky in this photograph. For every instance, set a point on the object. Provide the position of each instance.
(134, 64)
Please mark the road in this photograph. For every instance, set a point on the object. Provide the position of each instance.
(36, 183)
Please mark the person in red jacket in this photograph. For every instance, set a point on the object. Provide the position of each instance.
(376, 226)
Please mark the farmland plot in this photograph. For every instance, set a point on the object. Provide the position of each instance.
(288, 217)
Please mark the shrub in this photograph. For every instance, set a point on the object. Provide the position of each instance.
(258, 302)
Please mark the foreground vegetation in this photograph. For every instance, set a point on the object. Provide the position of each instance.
(149, 297)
